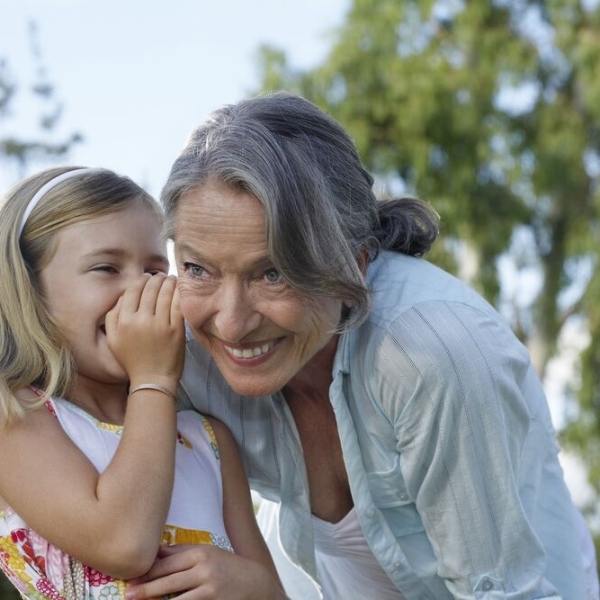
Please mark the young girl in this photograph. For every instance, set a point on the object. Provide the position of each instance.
(96, 467)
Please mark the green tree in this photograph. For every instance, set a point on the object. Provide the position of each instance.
(21, 151)
(491, 111)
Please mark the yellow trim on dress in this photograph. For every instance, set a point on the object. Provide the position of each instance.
(211, 434)
(175, 536)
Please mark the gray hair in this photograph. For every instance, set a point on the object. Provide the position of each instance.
(321, 213)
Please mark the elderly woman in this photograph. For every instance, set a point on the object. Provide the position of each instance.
(384, 405)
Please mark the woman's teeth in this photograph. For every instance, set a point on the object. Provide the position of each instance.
(250, 352)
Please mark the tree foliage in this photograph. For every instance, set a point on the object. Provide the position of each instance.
(40, 143)
(491, 111)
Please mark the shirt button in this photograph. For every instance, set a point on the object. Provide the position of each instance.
(397, 566)
(403, 496)
(371, 513)
(487, 585)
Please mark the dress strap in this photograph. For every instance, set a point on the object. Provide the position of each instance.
(48, 404)
(36, 391)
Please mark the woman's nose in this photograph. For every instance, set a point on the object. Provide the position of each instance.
(235, 315)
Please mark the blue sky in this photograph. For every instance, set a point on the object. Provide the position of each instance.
(136, 77)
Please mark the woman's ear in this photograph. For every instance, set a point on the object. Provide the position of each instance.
(363, 259)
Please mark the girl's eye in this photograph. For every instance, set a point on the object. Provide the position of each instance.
(105, 268)
(273, 276)
(192, 269)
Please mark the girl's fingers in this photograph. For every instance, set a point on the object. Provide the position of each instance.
(175, 308)
(165, 297)
(171, 563)
(175, 583)
(164, 551)
(112, 317)
(150, 293)
(132, 295)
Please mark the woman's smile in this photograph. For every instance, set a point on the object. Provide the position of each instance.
(250, 350)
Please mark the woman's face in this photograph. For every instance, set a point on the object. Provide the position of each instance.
(260, 331)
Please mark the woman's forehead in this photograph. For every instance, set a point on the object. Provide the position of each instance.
(221, 221)
(218, 204)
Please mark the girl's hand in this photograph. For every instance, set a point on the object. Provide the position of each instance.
(145, 331)
(205, 573)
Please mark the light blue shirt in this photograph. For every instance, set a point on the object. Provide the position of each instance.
(447, 441)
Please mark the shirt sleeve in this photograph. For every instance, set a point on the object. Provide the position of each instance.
(463, 399)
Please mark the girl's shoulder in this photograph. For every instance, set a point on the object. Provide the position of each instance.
(26, 435)
(33, 408)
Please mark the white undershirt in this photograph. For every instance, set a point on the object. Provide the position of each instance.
(346, 567)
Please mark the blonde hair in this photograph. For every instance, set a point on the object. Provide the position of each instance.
(32, 349)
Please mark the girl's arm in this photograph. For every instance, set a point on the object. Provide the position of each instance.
(111, 521)
(238, 509)
(206, 572)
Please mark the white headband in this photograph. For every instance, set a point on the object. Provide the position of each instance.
(46, 188)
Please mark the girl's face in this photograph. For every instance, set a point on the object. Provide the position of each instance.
(94, 261)
(261, 332)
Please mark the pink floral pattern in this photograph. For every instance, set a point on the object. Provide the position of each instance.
(40, 571)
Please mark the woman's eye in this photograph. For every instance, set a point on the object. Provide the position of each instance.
(194, 270)
(273, 276)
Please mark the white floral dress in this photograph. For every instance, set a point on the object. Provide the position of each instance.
(40, 571)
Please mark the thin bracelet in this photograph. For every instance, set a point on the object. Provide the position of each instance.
(153, 386)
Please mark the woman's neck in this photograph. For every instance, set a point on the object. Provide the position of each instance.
(314, 379)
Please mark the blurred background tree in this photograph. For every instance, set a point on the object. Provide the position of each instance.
(38, 145)
(491, 111)
(30, 142)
